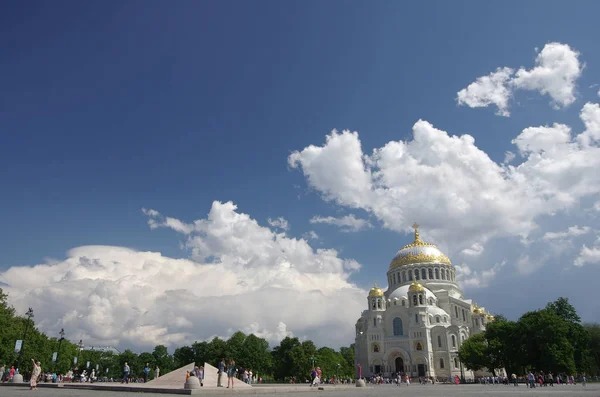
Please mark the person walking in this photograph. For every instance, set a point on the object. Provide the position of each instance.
(156, 372)
(220, 373)
(230, 373)
(146, 372)
(126, 371)
(35, 374)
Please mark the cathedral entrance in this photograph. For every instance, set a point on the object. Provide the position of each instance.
(421, 369)
(399, 365)
(377, 369)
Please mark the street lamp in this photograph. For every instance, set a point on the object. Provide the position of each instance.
(29, 315)
(79, 355)
(313, 361)
(338, 372)
(62, 337)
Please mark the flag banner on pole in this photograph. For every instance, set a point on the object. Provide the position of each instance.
(18, 346)
(54, 355)
(75, 360)
(87, 365)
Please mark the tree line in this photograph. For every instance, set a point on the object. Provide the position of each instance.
(551, 339)
(292, 358)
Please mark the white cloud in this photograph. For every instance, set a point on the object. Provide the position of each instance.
(573, 231)
(590, 114)
(475, 250)
(438, 180)
(470, 279)
(118, 296)
(348, 223)
(489, 90)
(555, 73)
(310, 235)
(279, 223)
(509, 157)
(588, 255)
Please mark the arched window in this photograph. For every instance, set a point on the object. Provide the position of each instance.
(410, 275)
(374, 322)
(443, 274)
(379, 303)
(456, 311)
(403, 303)
(414, 300)
(416, 274)
(416, 318)
(437, 273)
(419, 346)
(437, 319)
(441, 363)
(420, 299)
(455, 362)
(430, 301)
(453, 341)
(374, 303)
(439, 341)
(398, 277)
(397, 324)
(394, 278)
(403, 277)
(430, 273)
(445, 320)
(375, 348)
(476, 322)
(423, 274)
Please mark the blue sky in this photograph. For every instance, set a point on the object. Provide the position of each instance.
(109, 107)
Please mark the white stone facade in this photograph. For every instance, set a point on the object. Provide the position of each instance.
(416, 327)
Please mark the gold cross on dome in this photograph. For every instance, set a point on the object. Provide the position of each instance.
(416, 227)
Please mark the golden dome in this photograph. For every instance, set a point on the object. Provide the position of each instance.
(416, 287)
(489, 317)
(477, 310)
(375, 291)
(418, 252)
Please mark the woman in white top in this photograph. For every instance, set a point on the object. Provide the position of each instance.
(37, 370)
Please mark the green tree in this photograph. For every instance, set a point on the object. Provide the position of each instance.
(593, 331)
(545, 337)
(257, 355)
(472, 352)
(183, 356)
(163, 359)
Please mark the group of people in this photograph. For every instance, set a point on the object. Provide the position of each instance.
(6, 374)
(127, 373)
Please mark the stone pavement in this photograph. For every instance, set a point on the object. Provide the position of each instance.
(591, 390)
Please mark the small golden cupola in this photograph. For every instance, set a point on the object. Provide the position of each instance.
(416, 287)
(375, 291)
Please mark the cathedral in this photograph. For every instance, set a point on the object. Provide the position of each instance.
(416, 327)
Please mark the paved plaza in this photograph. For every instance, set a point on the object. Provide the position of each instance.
(591, 390)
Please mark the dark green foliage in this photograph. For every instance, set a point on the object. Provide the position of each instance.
(551, 339)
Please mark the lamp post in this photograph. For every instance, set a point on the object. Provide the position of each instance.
(62, 337)
(29, 315)
(313, 361)
(338, 372)
(359, 370)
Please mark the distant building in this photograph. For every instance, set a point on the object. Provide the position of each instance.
(416, 327)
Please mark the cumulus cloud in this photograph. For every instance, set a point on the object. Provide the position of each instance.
(493, 89)
(279, 223)
(556, 71)
(471, 279)
(241, 275)
(509, 157)
(588, 255)
(440, 179)
(348, 223)
(475, 250)
(310, 235)
(573, 231)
